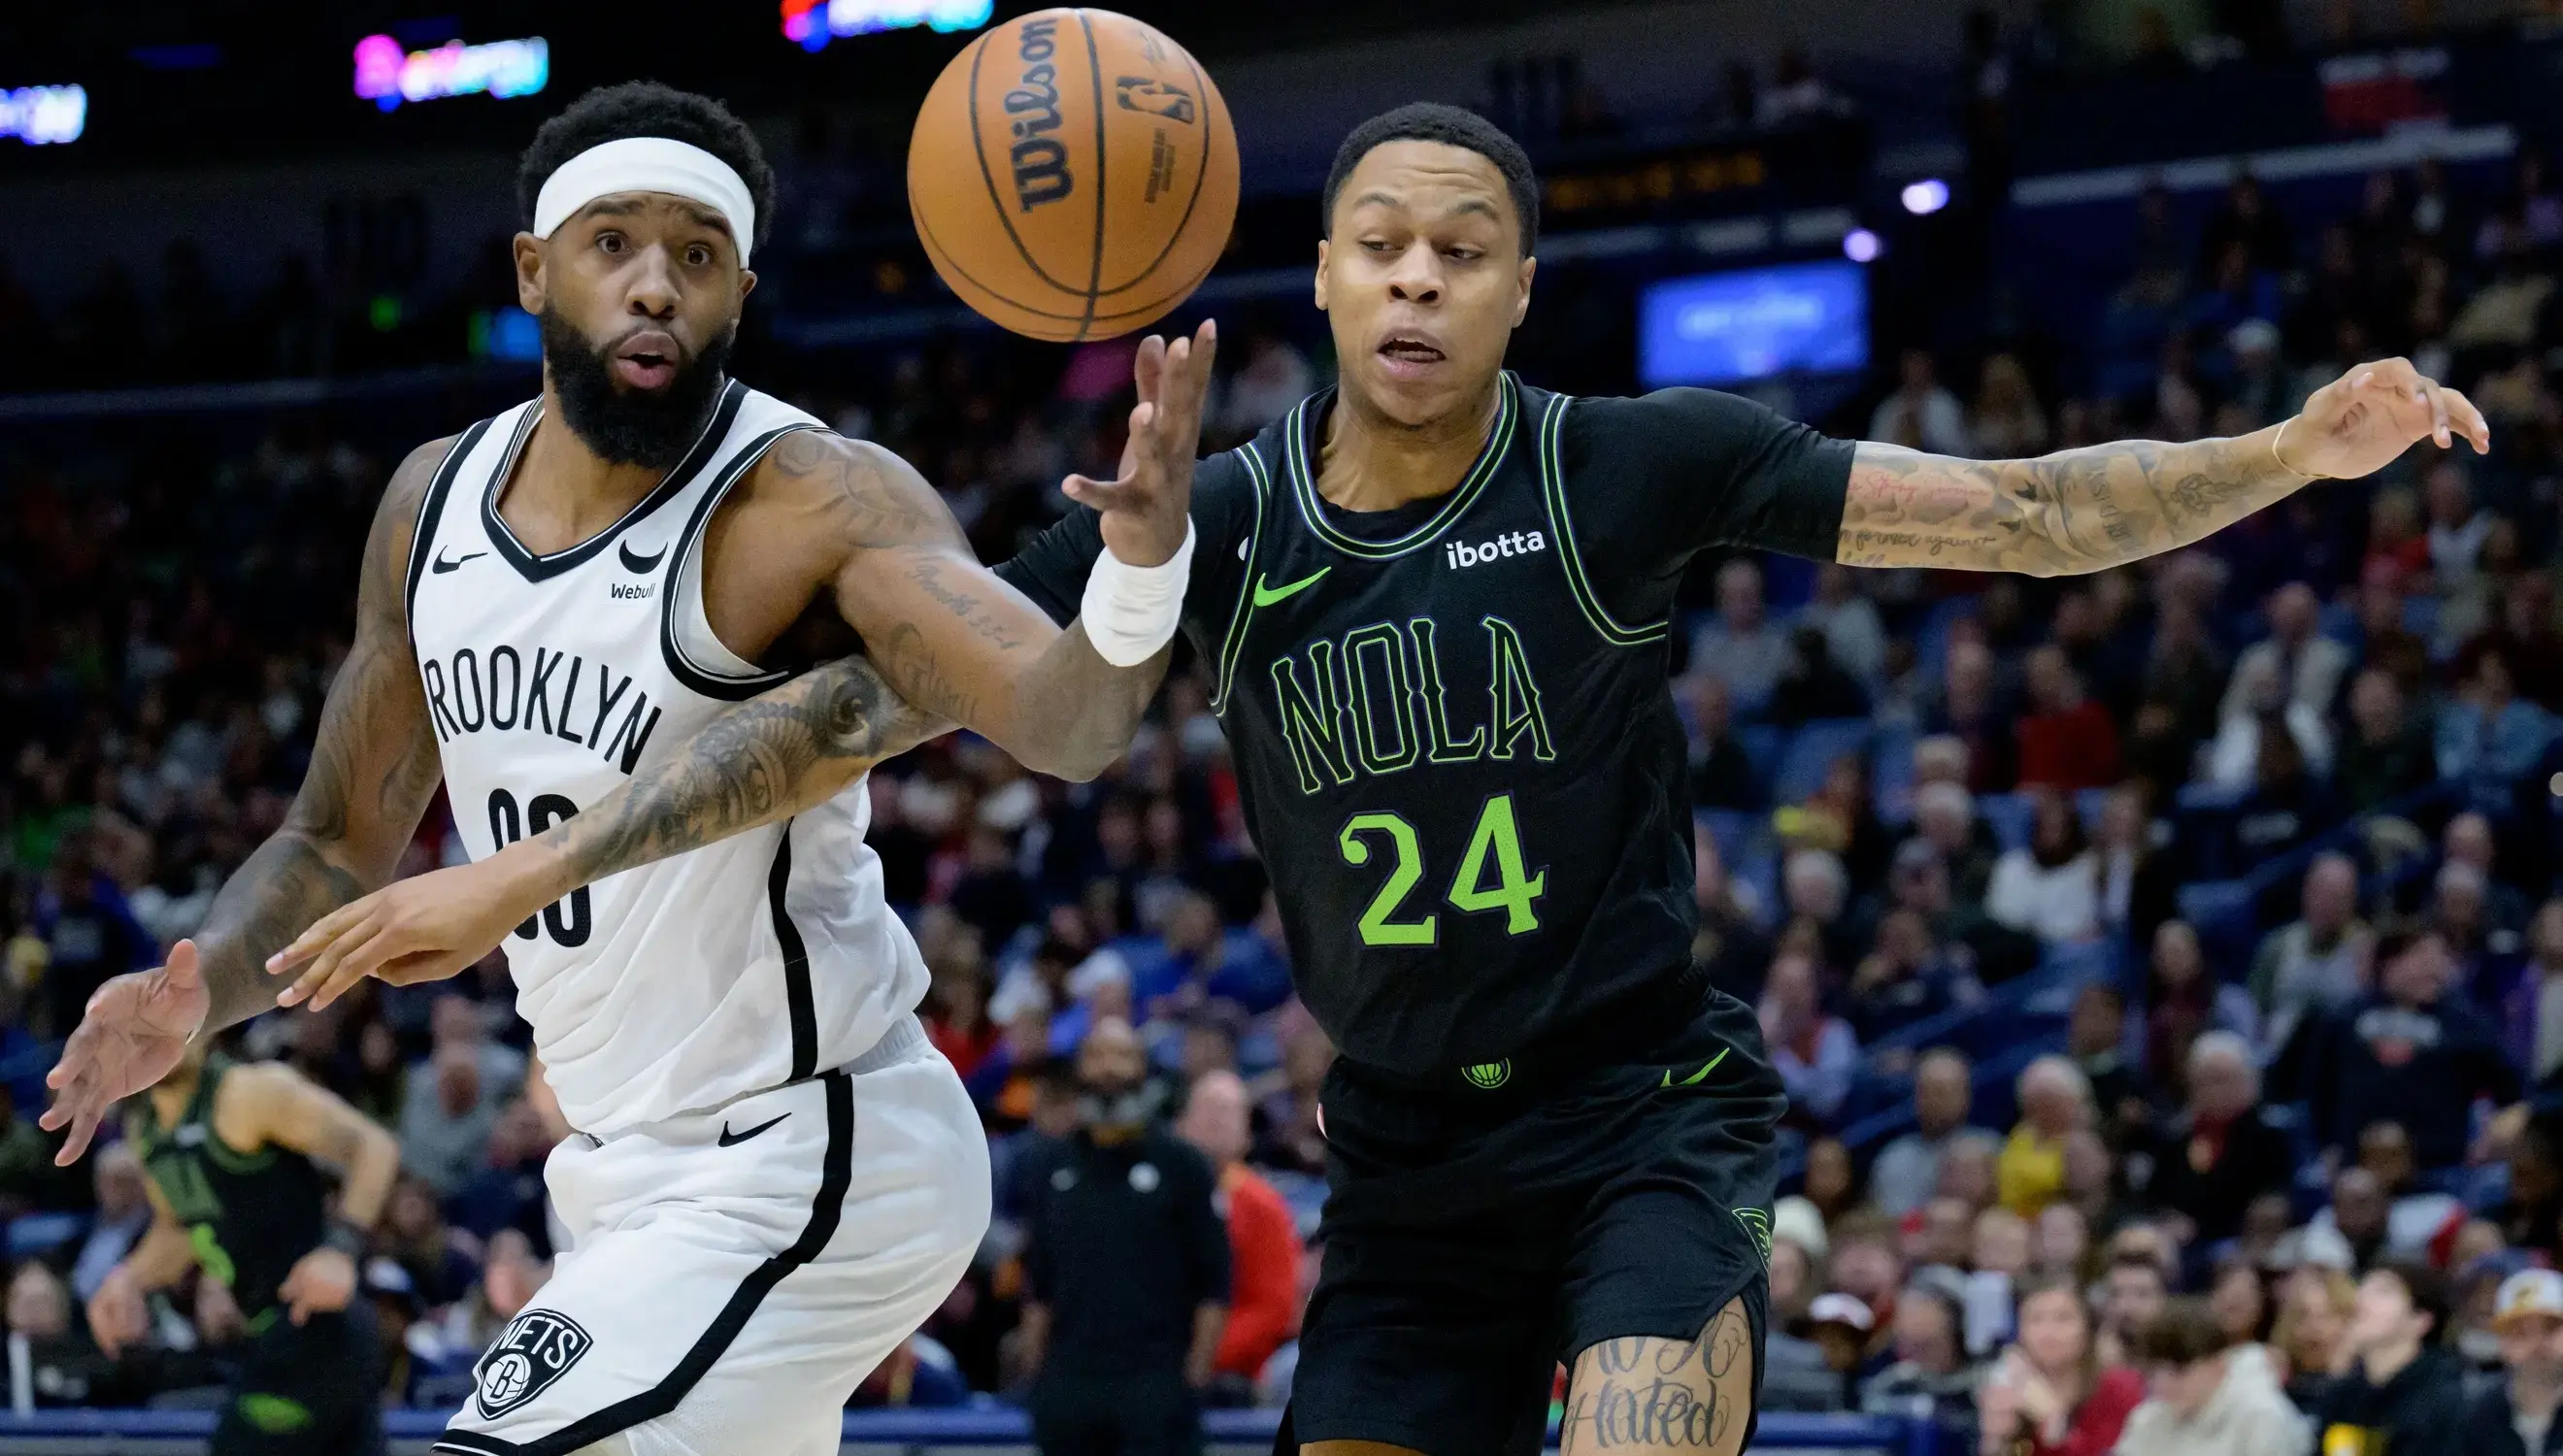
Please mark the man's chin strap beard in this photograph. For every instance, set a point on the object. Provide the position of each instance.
(623, 428)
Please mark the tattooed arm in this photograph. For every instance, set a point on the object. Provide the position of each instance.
(754, 763)
(2089, 510)
(373, 768)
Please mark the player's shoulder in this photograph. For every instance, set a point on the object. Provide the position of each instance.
(412, 479)
(1610, 418)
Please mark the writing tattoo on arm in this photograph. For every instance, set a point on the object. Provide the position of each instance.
(949, 634)
(373, 768)
(2079, 511)
(753, 763)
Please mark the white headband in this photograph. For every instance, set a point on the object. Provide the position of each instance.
(647, 164)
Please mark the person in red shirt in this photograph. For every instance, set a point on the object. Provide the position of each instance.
(2049, 1395)
(1262, 1236)
(2066, 742)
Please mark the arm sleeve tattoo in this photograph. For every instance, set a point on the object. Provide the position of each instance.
(754, 763)
(2079, 511)
(373, 768)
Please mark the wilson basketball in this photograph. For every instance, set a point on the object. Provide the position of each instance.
(1072, 174)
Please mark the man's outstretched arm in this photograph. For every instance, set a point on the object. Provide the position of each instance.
(373, 768)
(2089, 510)
(754, 763)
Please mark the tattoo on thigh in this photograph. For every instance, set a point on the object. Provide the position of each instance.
(1654, 1394)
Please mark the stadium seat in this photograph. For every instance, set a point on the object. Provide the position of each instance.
(1810, 754)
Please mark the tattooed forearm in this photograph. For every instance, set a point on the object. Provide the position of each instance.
(373, 770)
(2079, 511)
(760, 761)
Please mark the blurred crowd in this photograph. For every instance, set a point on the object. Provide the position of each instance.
(2165, 966)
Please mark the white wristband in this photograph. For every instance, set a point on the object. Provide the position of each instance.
(1131, 611)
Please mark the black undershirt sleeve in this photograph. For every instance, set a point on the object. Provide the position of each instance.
(1652, 481)
(1052, 566)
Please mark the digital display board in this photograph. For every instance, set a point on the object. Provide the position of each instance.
(43, 115)
(387, 75)
(811, 24)
(1753, 324)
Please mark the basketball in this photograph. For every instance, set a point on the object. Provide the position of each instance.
(1073, 175)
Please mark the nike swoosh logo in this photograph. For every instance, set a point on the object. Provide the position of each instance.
(639, 564)
(1698, 1077)
(1265, 595)
(730, 1139)
(441, 566)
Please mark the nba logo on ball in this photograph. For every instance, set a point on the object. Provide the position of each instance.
(537, 1349)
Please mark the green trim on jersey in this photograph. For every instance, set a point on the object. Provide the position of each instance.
(1552, 481)
(1244, 609)
(1303, 480)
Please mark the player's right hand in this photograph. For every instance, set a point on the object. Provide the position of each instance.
(425, 928)
(1146, 509)
(133, 1031)
(117, 1315)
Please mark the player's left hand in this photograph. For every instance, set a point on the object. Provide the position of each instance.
(2357, 424)
(319, 1283)
(1146, 510)
(425, 928)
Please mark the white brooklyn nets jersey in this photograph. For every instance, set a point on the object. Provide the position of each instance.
(764, 958)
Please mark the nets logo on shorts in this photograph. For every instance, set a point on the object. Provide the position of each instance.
(538, 1348)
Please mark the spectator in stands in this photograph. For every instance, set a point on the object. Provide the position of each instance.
(2256, 704)
(1723, 774)
(2132, 1293)
(1816, 894)
(1742, 646)
(456, 1022)
(1906, 980)
(2187, 1000)
(957, 1019)
(2401, 1390)
(2139, 883)
(1796, 1377)
(2050, 1394)
(2311, 1337)
(2489, 738)
(2307, 666)
(507, 1190)
(89, 932)
(2066, 740)
(2407, 1052)
(2048, 887)
(1931, 1378)
(2184, 671)
(1945, 823)
(2515, 1416)
(1292, 1140)
(2384, 641)
(1831, 1181)
(1813, 685)
(2055, 1103)
(1970, 711)
(122, 1216)
(2467, 841)
(2200, 1398)
(2318, 963)
(1728, 942)
(1922, 414)
(443, 1134)
(2532, 1014)
(437, 1258)
(1853, 636)
(2525, 636)
(1814, 1053)
(2222, 1150)
(2095, 1038)
(1262, 1237)
(2007, 423)
(2239, 1297)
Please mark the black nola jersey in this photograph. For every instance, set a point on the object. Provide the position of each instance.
(1454, 738)
(250, 1216)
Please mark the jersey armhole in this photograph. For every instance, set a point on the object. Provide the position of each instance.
(431, 513)
(1232, 642)
(682, 665)
(1552, 480)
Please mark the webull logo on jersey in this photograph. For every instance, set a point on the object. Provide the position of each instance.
(1512, 543)
(537, 1349)
(501, 689)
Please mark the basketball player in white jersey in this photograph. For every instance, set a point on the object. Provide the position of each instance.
(774, 1178)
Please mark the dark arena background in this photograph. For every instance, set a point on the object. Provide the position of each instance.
(2057, 898)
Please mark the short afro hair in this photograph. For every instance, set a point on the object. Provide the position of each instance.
(647, 108)
(1451, 126)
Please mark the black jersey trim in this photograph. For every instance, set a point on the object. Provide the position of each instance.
(1552, 484)
(826, 1208)
(538, 567)
(1303, 480)
(680, 665)
(431, 511)
(798, 1007)
(1235, 642)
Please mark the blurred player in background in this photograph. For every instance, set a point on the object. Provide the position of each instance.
(592, 576)
(1437, 601)
(237, 1195)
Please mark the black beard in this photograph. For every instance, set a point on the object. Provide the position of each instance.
(624, 427)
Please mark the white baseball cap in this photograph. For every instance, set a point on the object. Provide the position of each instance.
(2528, 1294)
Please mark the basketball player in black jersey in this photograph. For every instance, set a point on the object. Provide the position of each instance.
(1435, 600)
(235, 1195)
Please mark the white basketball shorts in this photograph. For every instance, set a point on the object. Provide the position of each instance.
(734, 1274)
